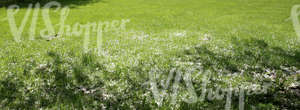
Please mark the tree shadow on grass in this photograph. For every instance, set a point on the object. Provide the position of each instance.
(252, 57)
(250, 54)
(58, 84)
(25, 3)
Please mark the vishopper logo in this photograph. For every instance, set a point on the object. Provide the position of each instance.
(295, 12)
(77, 29)
(160, 88)
(48, 31)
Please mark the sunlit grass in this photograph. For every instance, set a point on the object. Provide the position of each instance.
(241, 42)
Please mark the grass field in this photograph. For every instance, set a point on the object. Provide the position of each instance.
(242, 44)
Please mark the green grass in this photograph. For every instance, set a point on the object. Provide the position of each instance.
(223, 36)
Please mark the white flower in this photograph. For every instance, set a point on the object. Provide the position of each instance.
(293, 85)
(179, 34)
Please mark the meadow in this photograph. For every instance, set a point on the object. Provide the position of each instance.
(167, 54)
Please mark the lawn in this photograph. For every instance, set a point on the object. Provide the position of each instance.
(230, 47)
